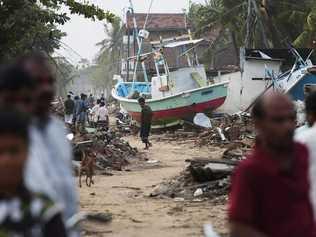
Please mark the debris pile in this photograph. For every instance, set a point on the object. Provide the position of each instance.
(202, 179)
(227, 129)
(180, 135)
(205, 178)
(110, 150)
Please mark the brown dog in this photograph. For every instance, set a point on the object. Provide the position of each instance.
(87, 168)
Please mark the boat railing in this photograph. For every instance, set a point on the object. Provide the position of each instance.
(283, 75)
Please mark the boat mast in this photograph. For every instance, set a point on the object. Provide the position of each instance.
(139, 43)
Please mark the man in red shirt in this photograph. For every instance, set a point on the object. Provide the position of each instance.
(269, 195)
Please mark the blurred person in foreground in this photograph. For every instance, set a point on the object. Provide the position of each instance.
(22, 212)
(51, 172)
(145, 124)
(308, 137)
(69, 105)
(270, 189)
(16, 89)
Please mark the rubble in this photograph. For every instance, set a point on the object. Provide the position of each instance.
(111, 151)
(226, 130)
(204, 178)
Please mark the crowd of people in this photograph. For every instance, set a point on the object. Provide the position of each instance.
(83, 110)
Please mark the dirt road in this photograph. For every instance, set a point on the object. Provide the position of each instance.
(135, 214)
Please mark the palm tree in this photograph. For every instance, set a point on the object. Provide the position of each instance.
(284, 20)
(223, 15)
(108, 59)
(308, 37)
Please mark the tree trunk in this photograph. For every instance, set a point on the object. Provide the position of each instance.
(264, 38)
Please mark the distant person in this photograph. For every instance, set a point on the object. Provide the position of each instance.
(83, 112)
(23, 213)
(102, 98)
(103, 116)
(69, 110)
(76, 109)
(145, 124)
(270, 189)
(50, 169)
(91, 101)
(94, 113)
(308, 137)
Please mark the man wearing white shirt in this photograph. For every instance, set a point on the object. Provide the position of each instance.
(94, 112)
(103, 116)
(308, 137)
(49, 168)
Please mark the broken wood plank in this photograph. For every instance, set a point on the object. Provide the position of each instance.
(127, 187)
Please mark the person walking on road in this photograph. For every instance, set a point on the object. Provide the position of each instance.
(69, 110)
(93, 113)
(145, 124)
(103, 116)
(83, 112)
(91, 101)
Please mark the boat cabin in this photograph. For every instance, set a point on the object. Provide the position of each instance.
(168, 82)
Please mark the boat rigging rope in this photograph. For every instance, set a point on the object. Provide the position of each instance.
(149, 9)
(140, 43)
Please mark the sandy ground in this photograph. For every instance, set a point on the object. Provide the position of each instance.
(135, 214)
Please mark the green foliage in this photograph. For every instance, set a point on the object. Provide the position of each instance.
(308, 36)
(87, 10)
(28, 25)
(284, 21)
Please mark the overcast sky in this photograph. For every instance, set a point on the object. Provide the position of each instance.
(83, 34)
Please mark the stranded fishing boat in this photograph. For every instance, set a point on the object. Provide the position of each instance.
(172, 95)
(300, 80)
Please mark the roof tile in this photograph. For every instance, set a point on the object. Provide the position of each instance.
(158, 21)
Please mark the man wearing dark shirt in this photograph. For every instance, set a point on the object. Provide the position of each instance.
(146, 117)
(69, 110)
(270, 189)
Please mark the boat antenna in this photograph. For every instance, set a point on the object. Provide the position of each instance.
(140, 43)
(149, 9)
(309, 55)
(297, 55)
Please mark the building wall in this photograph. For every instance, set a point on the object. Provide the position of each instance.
(243, 89)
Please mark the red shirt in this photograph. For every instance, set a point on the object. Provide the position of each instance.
(273, 202)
